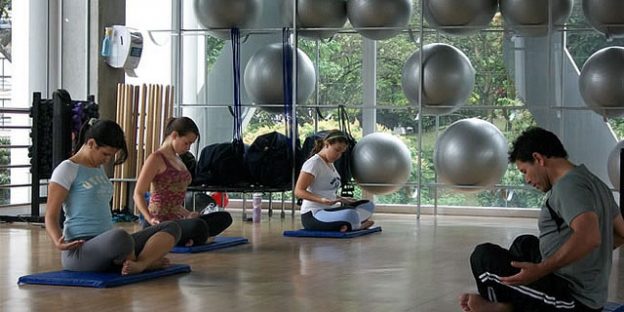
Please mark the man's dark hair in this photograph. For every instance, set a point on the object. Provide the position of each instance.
(536, 140)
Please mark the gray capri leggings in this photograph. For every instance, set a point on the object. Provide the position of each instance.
(110, 249)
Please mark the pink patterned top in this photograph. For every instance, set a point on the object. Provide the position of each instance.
(167, 192)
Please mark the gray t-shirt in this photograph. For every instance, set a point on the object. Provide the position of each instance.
(580, 191)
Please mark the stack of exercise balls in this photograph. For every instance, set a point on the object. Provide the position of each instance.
(331, 14)
(459, 17)
(381, 163)
(613, 165)
(471, 153)
(601, 82)
(448, 78)
(227, 14)
(379, 13)
(531, 17)
(264, 78)
(606, 16)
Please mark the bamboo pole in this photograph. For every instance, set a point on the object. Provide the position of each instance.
(141, 130)
(149, 135)
(117, 169)
(158, 118)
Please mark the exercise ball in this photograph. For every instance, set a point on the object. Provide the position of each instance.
(379, 13)
(613, 165)
(459, 17)
(264, 75)
(227, 14)
(471, 152)
(381, 158)
(315, 14)
(531, 17)
(448, 78)
(601, 82)
(606, 16)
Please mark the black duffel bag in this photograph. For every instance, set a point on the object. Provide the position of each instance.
(270, 160)
(222, 164)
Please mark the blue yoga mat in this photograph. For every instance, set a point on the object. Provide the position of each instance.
(331, 234)
(219, 242)
(98, 279)
(613, 307)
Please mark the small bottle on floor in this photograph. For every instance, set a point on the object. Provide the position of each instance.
(257, 207)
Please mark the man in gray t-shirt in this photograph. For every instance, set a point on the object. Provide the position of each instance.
(568, 266)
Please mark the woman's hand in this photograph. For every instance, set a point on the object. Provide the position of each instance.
(192, 214)
(329, 202)
(346, 200)
(62, 245)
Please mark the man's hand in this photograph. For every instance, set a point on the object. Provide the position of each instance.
(529, 273)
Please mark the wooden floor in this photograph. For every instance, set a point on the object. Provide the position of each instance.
(413, 265)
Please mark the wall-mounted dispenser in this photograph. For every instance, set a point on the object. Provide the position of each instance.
(126, 48)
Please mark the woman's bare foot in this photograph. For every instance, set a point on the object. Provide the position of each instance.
(189, 243)
(210, 239)
(476, 303)
(366, 224)
(132, 267)
(343, 228)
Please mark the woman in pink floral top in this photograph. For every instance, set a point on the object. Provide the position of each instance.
(167, 179)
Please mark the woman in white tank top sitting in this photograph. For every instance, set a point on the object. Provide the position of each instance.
(317, 185)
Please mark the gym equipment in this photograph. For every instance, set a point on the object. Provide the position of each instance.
(219, 243)
(331, 234)
(459, 17)
(471, 152)
(227, 14)
(601, 81)
(448, 78)
(613, 165)
(531, 17)
(379, 13)
(98, 279)
(264, 75)
(315, 14)
(381, 163)
(605, 16)
(197, 201)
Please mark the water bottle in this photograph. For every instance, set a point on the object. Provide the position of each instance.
(107, 42)
(257, 207)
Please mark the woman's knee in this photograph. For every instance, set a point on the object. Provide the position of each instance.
(122, 240)
(171, 228)
(197, 225)
(353, 218)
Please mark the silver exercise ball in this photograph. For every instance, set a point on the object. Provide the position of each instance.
(530, 17)
(459, 17)
(264, 75)
(448, 79)
(601, 82)
(471, 152)
(227, 14)
(379, 13)
(316, 14)
(381, 158)
(606, 16)
(613, 165)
